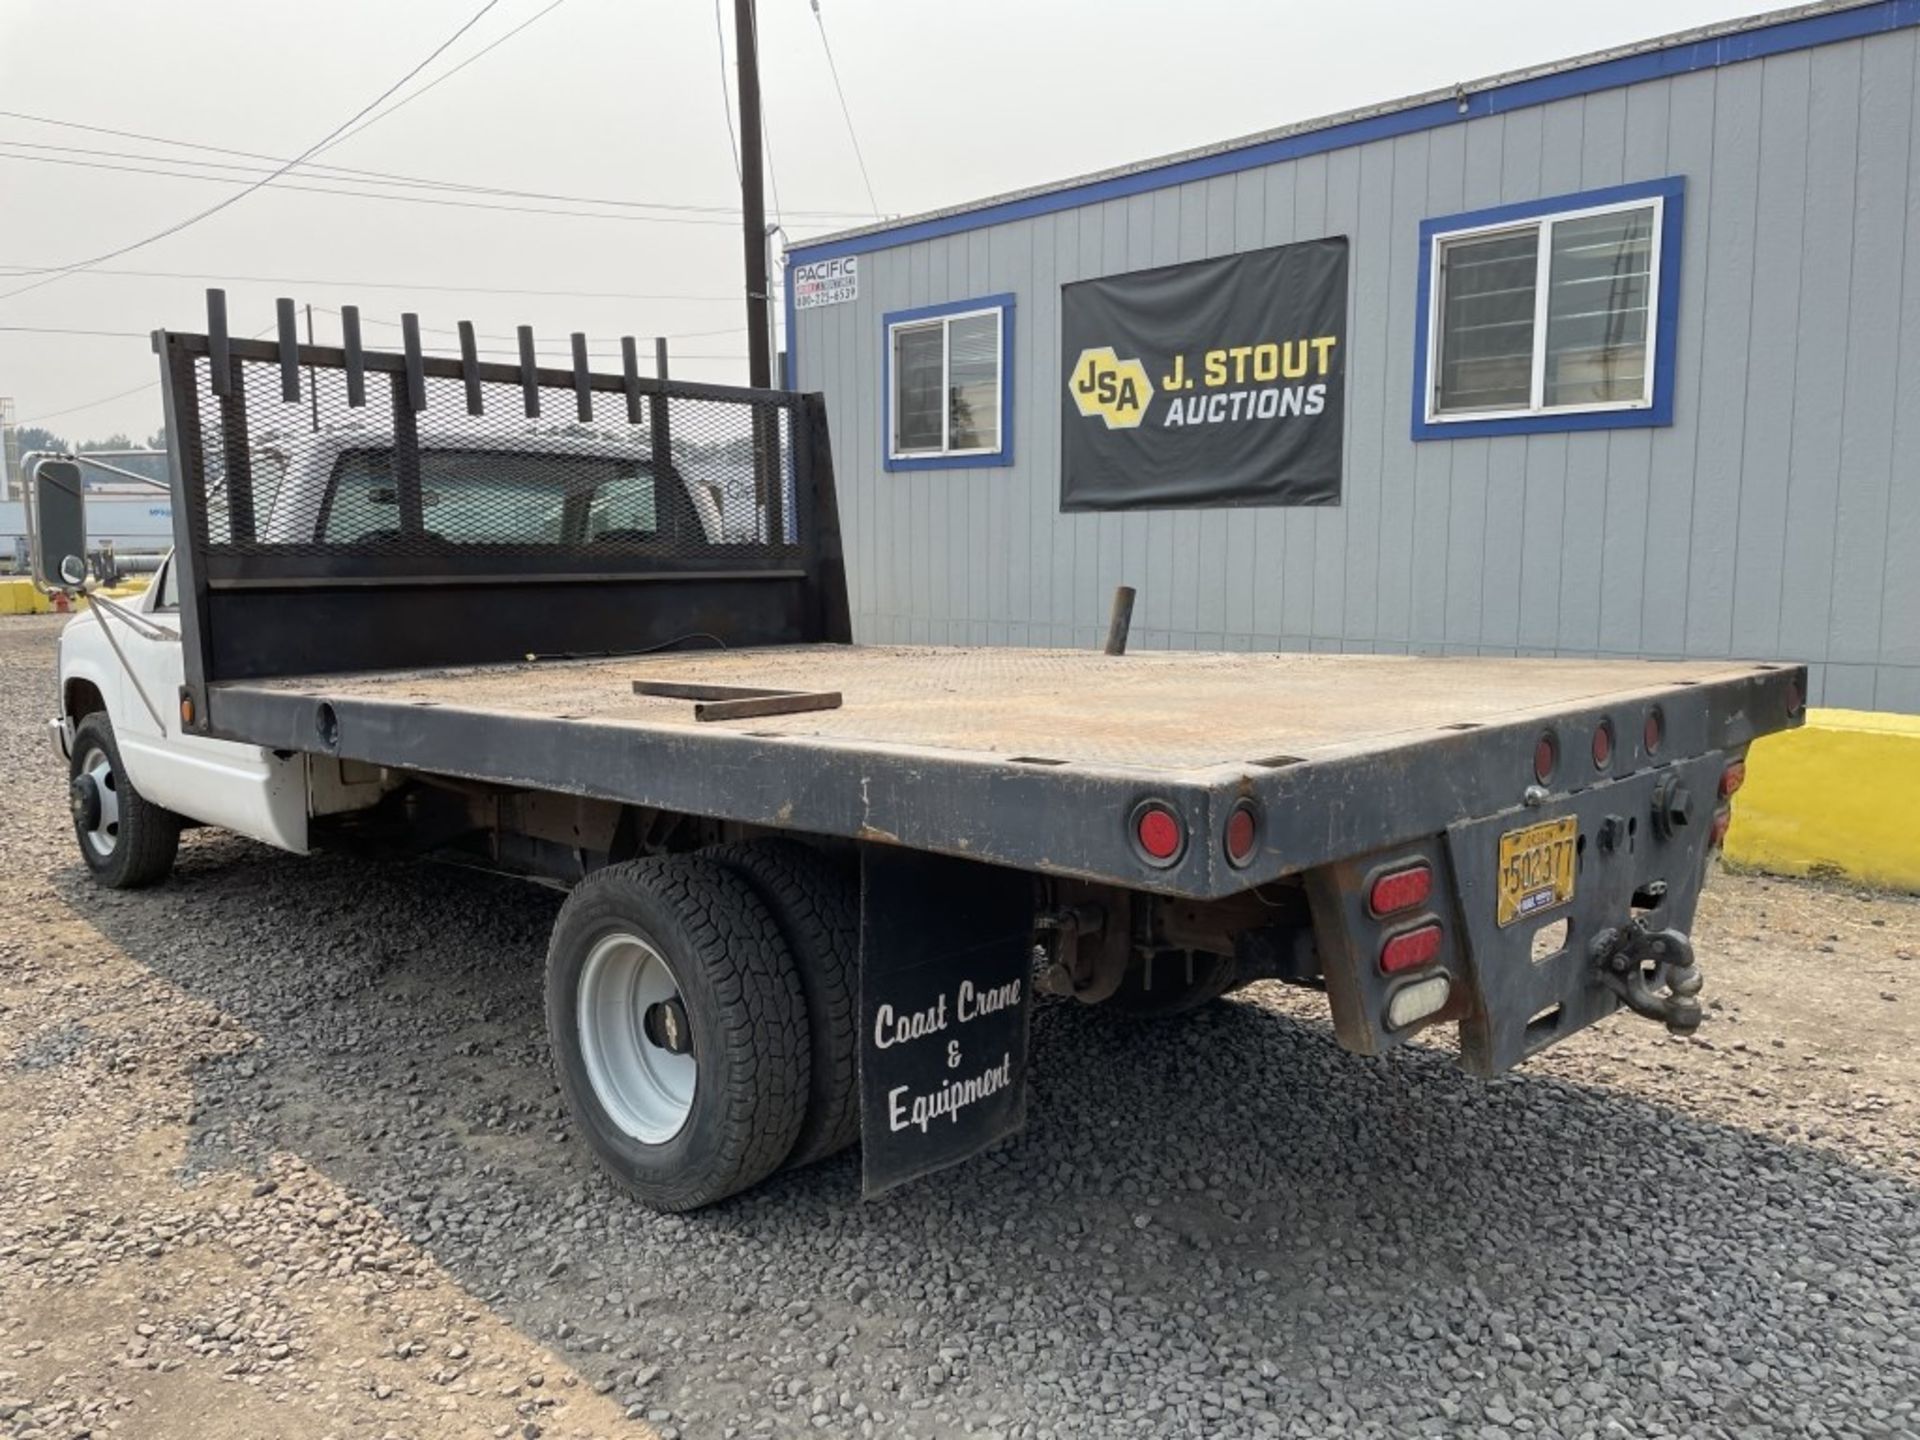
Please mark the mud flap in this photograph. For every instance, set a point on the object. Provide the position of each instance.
(945, 991)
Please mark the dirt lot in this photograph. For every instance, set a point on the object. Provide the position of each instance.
(282, 1158)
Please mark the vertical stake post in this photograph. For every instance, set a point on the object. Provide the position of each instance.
(1120, 622)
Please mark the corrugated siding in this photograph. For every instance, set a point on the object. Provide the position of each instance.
(1779, 516)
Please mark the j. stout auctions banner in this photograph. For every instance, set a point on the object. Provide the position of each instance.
(1219, 382)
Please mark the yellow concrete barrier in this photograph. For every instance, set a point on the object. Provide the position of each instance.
(1839, 797)
(19, 597)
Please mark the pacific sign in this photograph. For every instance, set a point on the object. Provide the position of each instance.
(826, 282)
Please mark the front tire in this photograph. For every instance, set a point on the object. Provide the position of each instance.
(679, 1029)
(126, 840)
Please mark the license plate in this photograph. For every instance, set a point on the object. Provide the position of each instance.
(1536, 868)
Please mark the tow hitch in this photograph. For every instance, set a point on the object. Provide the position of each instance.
(1653, 971)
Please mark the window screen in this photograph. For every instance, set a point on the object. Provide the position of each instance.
(1486, 347)
(918, 359)
(947, 377)
(1597, 308)
(1553, 314)
(973, 383)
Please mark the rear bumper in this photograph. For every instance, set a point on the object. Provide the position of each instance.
(1519, 986)
(60, 732)
(1637, 872)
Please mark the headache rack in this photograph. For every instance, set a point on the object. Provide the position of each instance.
(345, 509)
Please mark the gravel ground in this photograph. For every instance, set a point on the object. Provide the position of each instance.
(282, 1157)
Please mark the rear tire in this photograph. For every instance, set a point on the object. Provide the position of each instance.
(665, 951)
(1172, 983)
(126, 840)
(817, 907)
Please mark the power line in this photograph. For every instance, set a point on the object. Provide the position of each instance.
(60, 330)
(86, 405)
(406, 100)
(601, 353)
(295, 186)
(392, 285)
(514, 339)
(153, 384)
(346, 174)
(307, 154)
(328, 310)
(847, 114)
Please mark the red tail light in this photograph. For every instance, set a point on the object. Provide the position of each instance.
(1654, 731)
(1411, 949)
(1717, 832)
(1732, 778)
(1399, 890)
(1546, 755)
(1242, 831)
(1603, 745)
(1158, 832)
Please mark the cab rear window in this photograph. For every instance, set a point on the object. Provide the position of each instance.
(479, 497)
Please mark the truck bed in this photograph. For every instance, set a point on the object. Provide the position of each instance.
(1027, 742)
(1157, 710)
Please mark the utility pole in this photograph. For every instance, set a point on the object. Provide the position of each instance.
(768, 491)
(753, 205)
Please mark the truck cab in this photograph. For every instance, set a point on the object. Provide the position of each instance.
(335, 487)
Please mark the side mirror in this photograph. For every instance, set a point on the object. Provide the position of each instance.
(73, 570)
(59, 518)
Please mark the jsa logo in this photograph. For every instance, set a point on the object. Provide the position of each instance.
(1116, 390)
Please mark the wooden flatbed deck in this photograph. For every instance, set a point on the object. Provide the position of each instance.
(1035, 758)
(1158, 710)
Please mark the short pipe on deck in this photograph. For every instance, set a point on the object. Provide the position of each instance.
(1121, 620)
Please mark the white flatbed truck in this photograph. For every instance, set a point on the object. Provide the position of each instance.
(592, 629)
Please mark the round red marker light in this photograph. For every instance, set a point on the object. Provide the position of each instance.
(1159, 833)
(1654, 732)
(1242, 831)
(1546, 755)
(1795, 699)
(1603, 745)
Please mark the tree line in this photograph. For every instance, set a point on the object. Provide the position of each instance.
(38, 437)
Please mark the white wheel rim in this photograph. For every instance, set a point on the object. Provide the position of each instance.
(646, 1089)
(105, 833)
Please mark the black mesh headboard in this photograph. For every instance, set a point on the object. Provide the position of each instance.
(344, 509)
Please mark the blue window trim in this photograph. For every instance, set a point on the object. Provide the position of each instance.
(1002, 456)
(1672, 191)
(1681, 56)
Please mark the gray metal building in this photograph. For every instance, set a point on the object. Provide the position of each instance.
(1742, 478)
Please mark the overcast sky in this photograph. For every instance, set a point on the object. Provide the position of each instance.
(621, 100)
